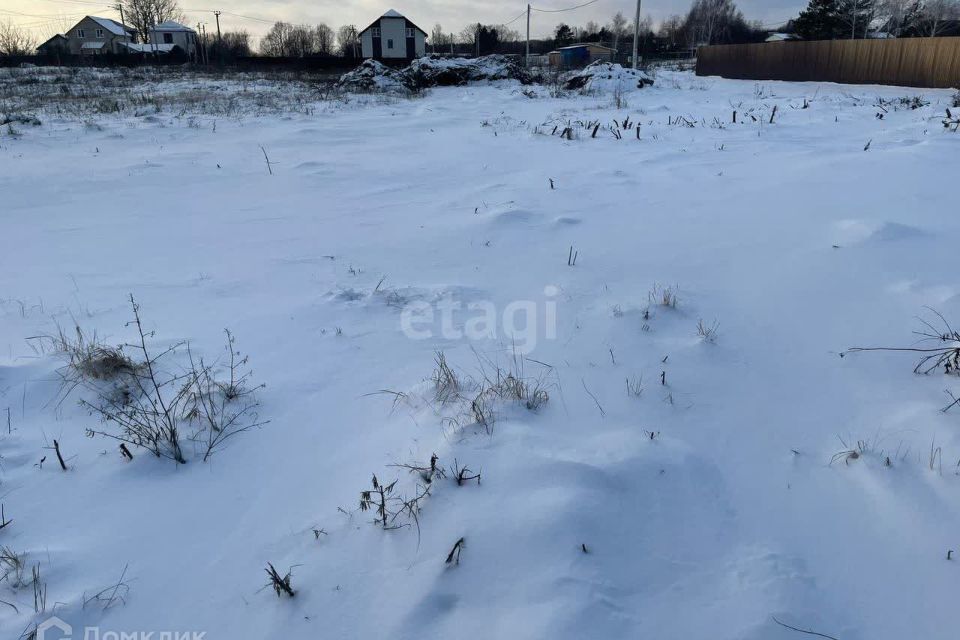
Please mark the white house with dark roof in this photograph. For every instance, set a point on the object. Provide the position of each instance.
(393, 37)
(99, 36)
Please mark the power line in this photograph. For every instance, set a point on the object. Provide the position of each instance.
(579, 6)
(522, 13)
(86, 2)
(254, 18)
(34, 15)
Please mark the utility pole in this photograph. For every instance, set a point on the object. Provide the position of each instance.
(528, 36)
(636, 36)
(217, 14)
(477, 38)
(119, 7)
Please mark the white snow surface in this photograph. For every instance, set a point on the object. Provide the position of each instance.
(789, 234)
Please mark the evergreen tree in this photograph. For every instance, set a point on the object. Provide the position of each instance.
(821, 20)
(563, 35)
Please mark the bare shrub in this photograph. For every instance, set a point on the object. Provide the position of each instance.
(665, 296)
(619, 97)
(221, 409)
(463, 475)
(454, 556)
(388, 506)
(427, 472)
(89, 360)
(862, 448)
(513, 384)
(281, 584)
(446, 384)
(475, 401)
(13, 565)
(707, 332)
(109, 596)
(159, 408)
(944, 352)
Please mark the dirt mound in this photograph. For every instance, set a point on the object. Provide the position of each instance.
(606, 77)
(432, 71)
(375, 76)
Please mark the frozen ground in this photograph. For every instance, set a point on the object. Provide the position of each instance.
(794, 238)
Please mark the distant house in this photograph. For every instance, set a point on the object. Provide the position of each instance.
(580, 55)
(777, 36)
(99, 36)
(174, 33)
(393, 37)
(55, 46)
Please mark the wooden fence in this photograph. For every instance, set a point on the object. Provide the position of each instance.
(910, 62)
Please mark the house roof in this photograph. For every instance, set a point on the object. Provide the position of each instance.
(777, 36)
(112, 26)
(139, 47)
(393, 14)
(45, 43)
(170, 25)
(93, 45)
(586, 44)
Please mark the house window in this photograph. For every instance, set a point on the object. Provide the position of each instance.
(375, 32)
(168, 38)
(409, 33)
(99, 33)
(80, 33)
(389, 43)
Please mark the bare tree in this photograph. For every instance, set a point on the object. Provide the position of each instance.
(324, 39)
(15, 40)
(276, 42)
(348, 41)
(468, 36)
(709, 21)
(857, 15)
(301, 41)
(618, 28)
(935, 16)
(143, 14)
(896, 15)
(506, 34)
(671, 30)
(231, 45)
(437, 37)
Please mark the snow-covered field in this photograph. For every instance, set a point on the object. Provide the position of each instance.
(672, 486)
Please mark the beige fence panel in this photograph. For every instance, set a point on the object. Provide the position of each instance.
(911, 62)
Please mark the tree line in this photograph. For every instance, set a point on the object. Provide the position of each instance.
(835, 19)
(705, 22)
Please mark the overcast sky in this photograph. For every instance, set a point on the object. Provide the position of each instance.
(46, 17)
